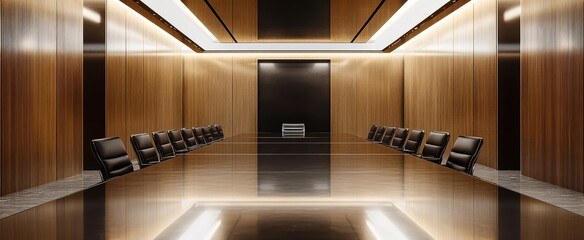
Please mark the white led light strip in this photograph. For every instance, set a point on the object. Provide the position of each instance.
(407, 17)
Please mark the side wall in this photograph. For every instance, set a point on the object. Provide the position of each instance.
(552, 99)
(451, 77)
(41, 92)
(143, 76)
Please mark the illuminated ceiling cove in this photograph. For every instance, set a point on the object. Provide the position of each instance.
(406, 18)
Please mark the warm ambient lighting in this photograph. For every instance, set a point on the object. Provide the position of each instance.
(512, 13)
(408, 16)
(91, 15)
(179, 15)
(382, 227)
(405, 19)
(204, 227)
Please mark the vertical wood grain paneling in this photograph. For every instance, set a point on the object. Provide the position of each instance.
(343, 95)
(552, 99)
(451, 77)
(28, 93)
(208, 91)
(245, 20)
(69, 88)
(144, 85)
(485, 79)
(463, 75)
(115, 85)
(135, 111)
(245, 87)
(343, 14)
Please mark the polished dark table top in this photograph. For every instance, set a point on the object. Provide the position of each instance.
(263, 186)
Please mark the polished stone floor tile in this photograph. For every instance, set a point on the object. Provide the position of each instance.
(17, 202)
(513, 180)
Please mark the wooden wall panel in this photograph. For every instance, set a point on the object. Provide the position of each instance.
(245, 98)
(115, 85)
(552, 99)
(69, 88)
(451, 77)
(245, 20)
(485, 79)
(144, 76)
(208, 91)
(28, 93)
(135, 111)
(344, 95)
(144, 88)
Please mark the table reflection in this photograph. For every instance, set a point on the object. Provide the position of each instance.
(336, 186)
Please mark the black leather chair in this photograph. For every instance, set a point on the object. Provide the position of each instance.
(199, 136)
(372, 131)
(414, 140)
(177, 141)
(189, 138)
(144, 150)
(207, 134)
(464, 154)
(112, 157)
(215, 132)
(399, 139)
(435, 146)
(388, 136)
(379, 134)
(220, 129)
(163, 144)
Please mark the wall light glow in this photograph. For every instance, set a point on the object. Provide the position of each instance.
(512, 13)
(204, 227)
(382, 227)
(91, 15)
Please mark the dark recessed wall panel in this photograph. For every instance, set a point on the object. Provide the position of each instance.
(93, 81)
(294, 91)
(293, 19)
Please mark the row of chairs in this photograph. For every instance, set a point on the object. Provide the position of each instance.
(113, 160)
(463, 155)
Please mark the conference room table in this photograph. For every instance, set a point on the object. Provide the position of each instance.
(321, 186)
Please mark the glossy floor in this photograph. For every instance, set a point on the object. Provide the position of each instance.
(319, 187)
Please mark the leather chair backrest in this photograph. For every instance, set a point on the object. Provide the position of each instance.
(464, 153)
(220, 129)
(177, 141)
(199, 135)
(379, 134)
(189, 137)
(144, 149)
(414, 140)
(112, 157)
(215, 132)
(162, 142)
(388, 136)
(207, 134)
(399, 138)
(372, 131)
(435, 145)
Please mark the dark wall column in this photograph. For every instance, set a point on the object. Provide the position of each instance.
(93, 80)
